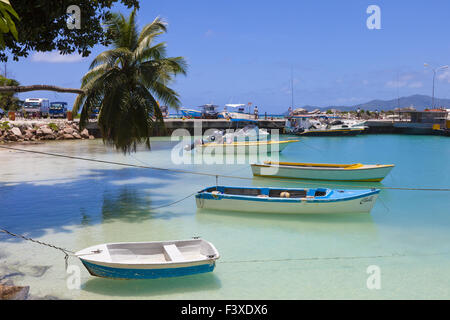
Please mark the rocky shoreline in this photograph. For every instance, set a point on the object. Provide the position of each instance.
(36, 131)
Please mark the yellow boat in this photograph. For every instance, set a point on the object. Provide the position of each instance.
(323, 171)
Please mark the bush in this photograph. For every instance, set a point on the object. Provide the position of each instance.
(53, 126)
(5, 125)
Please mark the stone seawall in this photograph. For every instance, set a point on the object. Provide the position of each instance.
(17, 131)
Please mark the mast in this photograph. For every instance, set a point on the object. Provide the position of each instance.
(292, 88)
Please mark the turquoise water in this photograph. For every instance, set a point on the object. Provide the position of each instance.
(75, 204)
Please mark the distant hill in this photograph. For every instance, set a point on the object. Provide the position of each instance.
(418, 101)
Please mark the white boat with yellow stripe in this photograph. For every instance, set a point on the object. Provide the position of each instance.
(244, 147)
(323, 171)
(149, 260)
(286, 200)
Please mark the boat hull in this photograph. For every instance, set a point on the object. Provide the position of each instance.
(358, 204)
(331, 133)
(191, 114)
(250, 147)
(362, 174)
(144, 272)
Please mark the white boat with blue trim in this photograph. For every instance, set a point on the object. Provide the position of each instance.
(149, 260)
(322, 171)
(286, 200)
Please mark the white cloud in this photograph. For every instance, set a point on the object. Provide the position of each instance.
(395, 84)
(404, 81)
(445, 76)
(56, 57)
(416, 84)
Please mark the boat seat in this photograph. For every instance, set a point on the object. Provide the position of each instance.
(173, 253)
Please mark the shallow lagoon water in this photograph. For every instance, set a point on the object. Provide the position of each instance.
(75, 204)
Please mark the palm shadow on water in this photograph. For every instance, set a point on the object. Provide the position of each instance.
(101, 196)
(152, 287)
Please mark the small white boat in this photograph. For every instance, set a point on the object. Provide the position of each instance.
(149, 260)
(323, 171)
(286, 200)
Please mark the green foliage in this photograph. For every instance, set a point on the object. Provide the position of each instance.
(7, 24)
(8, 100)
(126, 81)
(5, 125)
(43, 26)
(53, 126)
(329, 111)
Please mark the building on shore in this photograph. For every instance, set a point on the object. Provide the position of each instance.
(421, 122)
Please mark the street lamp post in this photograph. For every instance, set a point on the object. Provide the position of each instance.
(435, 70)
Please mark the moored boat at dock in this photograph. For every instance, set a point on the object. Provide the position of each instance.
(149, 260)
(322, 171)
(244, 147)
(286, 200)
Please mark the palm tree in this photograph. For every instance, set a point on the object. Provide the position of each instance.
(6, 22)
(126, 82)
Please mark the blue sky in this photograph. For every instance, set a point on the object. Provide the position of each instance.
(243, 51)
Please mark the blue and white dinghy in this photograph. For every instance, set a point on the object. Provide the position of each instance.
(287, 200)
(149, 260)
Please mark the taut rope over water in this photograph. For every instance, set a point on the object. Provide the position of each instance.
(213, 174)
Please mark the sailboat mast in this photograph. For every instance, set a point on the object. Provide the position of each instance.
(292, 88)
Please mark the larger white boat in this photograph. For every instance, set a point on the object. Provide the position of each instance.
(236, 111)
(286, 200)
(322, 126)
(149, 260)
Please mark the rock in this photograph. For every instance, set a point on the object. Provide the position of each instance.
(46, 130)
(91, 137)
(16, 132)
(28, 134)
(39, 133)
(76, 135)
(68, 130)
(67, 136)
(84, 134)
(8, 292)
(49, 137)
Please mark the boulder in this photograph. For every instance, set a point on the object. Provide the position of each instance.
(91, 137)
(11, 292)
(76, 135)
(68, 130)
(49, 137)
(46, 130)
(67, 136)
(16, 132)
(84, 134)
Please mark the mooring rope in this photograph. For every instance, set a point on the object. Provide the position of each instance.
(215, 174)
(66, 252)
(394, 255)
